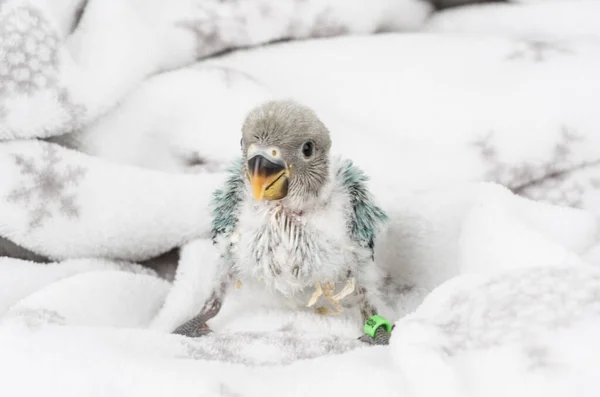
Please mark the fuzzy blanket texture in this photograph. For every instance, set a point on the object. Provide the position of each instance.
(478, 126)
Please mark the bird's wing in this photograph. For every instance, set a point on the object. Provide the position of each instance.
(366, 218)
(226, 201)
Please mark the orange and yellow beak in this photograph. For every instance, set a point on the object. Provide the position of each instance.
(268, 175)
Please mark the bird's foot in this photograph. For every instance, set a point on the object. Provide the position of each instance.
(347, 290)
(316, 295)
(194, 328)
(327, 291)
(382, 338)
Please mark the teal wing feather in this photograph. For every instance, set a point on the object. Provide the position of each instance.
(366, 218)
(226, 201)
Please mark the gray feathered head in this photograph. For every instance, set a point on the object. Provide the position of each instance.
(286, 151)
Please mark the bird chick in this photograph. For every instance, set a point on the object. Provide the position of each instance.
(289, 215)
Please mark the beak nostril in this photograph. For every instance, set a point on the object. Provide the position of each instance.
(261, 164)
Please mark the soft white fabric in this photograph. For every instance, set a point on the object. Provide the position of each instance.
(526, 310)
(63, 204)
(70, 77)
(492, 293)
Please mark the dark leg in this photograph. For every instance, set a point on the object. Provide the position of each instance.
(381, 337)
(196, 326)
(367, 310)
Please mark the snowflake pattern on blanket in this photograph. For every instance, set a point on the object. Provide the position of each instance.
(31, 50)
(46, 187)
(65, 68)
(280, 348)
(537, 50)
(560, 179)
(31, 53)
(512, 307)
(34, 318)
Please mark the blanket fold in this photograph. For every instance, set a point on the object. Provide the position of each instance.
(72, 80)
(522, 310)
(62, 204)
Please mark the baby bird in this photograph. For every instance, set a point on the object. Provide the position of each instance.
(290, 216)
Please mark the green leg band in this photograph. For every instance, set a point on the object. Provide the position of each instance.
(373, 323)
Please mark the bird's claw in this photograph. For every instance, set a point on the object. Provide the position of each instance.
(327, 290)
(347, 290)
(193, 328)
(381, 338)
(367, 339)
(316, 295)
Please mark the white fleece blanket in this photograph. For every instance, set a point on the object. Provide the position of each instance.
(494, 287)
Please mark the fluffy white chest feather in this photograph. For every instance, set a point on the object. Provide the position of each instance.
(290, 252)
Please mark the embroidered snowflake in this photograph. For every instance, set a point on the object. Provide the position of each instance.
(508, 308)
(45, 190)
(560, 179)
(208, 28)
(30, 48)
(326, 25)
(34, 319)
(289, 347)
(30, 54)
(536, 50)
(77, 112)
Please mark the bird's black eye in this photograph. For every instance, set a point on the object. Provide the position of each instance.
(308, 149)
